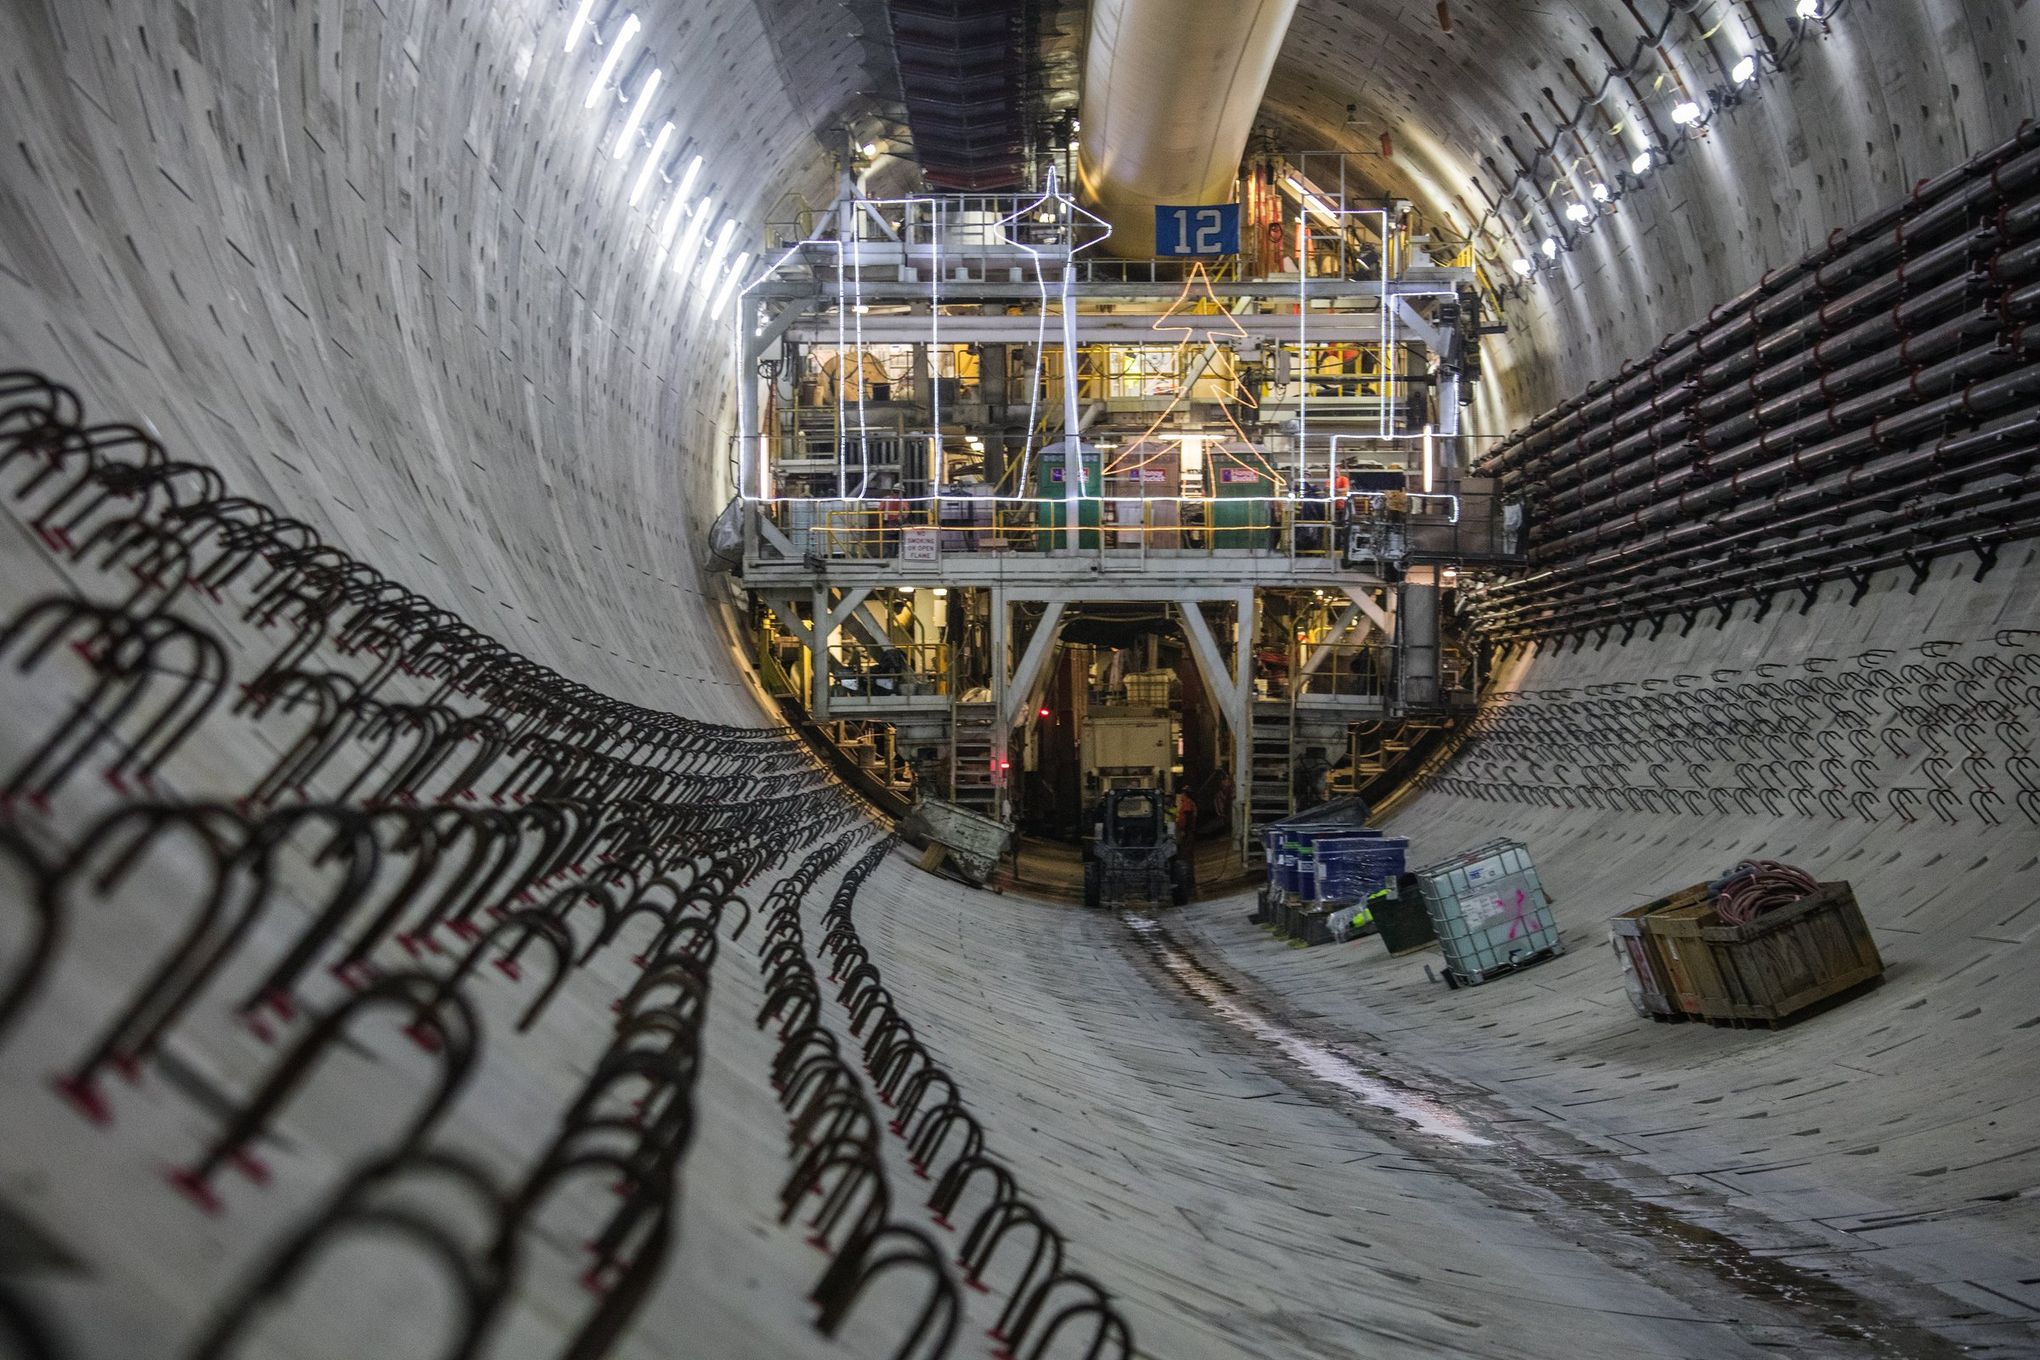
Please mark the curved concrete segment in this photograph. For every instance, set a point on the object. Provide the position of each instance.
(377, 264)
(1889, 1130)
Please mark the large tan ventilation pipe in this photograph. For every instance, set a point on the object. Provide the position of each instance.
(1171, 88)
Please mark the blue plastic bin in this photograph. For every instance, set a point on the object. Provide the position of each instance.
(1289, 845)
(1352, 866)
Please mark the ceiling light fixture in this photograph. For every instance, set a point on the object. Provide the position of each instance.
(678, 206)
(1641, 164)
(580, 22)
(1521, 266)
(1550, 248)
(644, 179)
(626, 140)
(690, 244)
(629, 31)
(1807, 9)
(729, 287)
(721, 250)
(687, 180)
(1311, 202)
(1744, 71)
(1685, 112)
(670, 223)
(1577, 212)
(1598, 191)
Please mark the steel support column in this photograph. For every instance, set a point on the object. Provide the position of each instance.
(1231, 688)
(1002, 732)
(1033, 664)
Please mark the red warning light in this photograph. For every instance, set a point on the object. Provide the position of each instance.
(1044, 711)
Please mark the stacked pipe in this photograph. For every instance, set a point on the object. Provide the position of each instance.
(1869, 406)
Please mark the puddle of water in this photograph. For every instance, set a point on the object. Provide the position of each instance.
(1319, 1060)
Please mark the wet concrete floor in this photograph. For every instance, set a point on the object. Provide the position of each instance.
(1671, 1238)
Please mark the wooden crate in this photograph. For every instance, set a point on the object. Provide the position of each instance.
(1788, 960)
(1645, 953)
(1691, 970)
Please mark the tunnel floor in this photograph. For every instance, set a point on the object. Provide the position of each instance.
(1226, 1121)
(1635, 1226)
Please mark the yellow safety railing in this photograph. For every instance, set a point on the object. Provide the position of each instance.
(891, 670)
(877, 530)
(1347, 669)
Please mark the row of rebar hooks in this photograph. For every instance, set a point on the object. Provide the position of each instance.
(835, 1129)
(1944, 729)
(437, 803)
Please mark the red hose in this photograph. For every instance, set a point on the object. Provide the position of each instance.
(1756, 886)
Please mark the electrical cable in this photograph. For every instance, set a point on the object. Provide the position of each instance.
(1755, 886)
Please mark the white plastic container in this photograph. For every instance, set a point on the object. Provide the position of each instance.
(1490, 912)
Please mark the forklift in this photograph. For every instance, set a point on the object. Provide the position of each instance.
(1132, 852)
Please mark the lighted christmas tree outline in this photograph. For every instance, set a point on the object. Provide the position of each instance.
(1233, 331)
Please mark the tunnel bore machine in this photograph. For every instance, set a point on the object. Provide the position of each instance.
(1265, 457)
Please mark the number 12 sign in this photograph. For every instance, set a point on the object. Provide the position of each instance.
(1206, 229)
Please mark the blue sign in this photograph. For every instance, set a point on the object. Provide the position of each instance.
(1206, 229)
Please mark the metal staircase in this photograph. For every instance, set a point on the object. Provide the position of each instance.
(1270, 774)
(970, 758)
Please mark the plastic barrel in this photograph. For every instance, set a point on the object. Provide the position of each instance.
(1354, 864)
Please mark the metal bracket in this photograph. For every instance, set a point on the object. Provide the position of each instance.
(1986, 557)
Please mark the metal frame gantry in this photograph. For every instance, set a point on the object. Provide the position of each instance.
(832, 290)
(1017, 679)
(828, 296)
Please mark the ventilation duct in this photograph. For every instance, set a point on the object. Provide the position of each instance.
(960, 67)
(1171, 89)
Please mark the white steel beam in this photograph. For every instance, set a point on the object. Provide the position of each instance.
(782, 605)
(853, 598)
(1033, 665)
(1420, 326)
(1123, 328)
(1338, 631)
(1089, 576)
(1218, 677)
(1002, 734)
(1243, 724)
(1381, 618)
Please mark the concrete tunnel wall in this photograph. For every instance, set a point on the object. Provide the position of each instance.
(1876, 99)
(377, 264)
(374, 262)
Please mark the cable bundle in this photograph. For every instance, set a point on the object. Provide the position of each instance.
(1756, 886)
